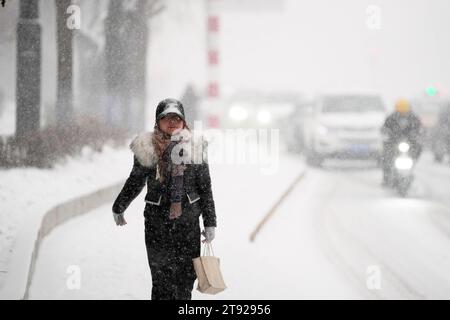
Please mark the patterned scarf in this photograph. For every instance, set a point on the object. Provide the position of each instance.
(167, 170)
(161, 141)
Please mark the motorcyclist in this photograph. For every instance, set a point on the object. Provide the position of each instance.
(401, 124)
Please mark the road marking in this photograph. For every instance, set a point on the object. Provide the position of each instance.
(272, 210)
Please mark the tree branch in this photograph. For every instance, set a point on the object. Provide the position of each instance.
(154, 8)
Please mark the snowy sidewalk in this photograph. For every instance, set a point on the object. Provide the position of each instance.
(113, 262)
(318, 244)
(26, 194)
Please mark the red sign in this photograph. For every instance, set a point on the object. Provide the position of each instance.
(213, 121)
(213, 24)
(213, 57)
(213, 90)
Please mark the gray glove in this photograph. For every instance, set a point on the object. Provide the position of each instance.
(209, 233)
(119, 219)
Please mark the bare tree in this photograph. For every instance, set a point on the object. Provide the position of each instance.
(64, 102)
(28, 81)
(126, 33)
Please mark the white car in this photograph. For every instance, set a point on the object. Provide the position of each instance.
(344, 126)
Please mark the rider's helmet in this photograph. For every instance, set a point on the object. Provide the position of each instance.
(402, 106)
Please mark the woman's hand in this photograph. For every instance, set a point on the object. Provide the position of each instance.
(175, 210)
(119, 219)
(209, 233)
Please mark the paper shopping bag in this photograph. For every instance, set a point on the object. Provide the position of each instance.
(209, 276)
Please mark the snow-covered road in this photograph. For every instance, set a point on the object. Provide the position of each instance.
(334, 236)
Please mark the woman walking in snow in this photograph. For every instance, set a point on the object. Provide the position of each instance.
(178, 192)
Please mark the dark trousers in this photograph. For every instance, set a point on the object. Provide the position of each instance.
(387, 161)
(170, 250)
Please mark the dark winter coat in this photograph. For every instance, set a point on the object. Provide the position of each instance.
(399, 126)
(171, 244)
(197, 199)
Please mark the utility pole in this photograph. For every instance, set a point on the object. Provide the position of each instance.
(213, 63)
(214, 10)
(28, 80)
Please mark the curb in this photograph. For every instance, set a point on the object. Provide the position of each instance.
(23, 265)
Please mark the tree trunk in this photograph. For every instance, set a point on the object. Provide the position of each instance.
(28, 80)
(126, 33)
(64, 103)
(138, 63)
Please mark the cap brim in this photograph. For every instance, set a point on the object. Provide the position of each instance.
(173, 110)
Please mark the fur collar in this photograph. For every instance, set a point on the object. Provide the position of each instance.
(142, 147)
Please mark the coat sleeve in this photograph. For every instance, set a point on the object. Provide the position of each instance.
(206, 196)
(387, 126)
(133, 186)
(417, 126)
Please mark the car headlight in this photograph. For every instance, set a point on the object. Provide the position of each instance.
(403, 147)
(264, 116)
(404, 163)
(238, 113)
(322, 130)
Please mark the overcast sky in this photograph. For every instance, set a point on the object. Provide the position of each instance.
(309, 46)
(325, 45)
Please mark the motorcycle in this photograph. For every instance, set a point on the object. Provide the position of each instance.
(402, 175)
(402, 150)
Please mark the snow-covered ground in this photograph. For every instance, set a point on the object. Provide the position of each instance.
(239, 206)
(26, 194)
(331, 237)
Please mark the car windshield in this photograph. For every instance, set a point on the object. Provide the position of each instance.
(352, 104)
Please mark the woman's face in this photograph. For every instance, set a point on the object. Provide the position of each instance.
(171, 124)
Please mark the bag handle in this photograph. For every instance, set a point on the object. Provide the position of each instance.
(208, 245)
